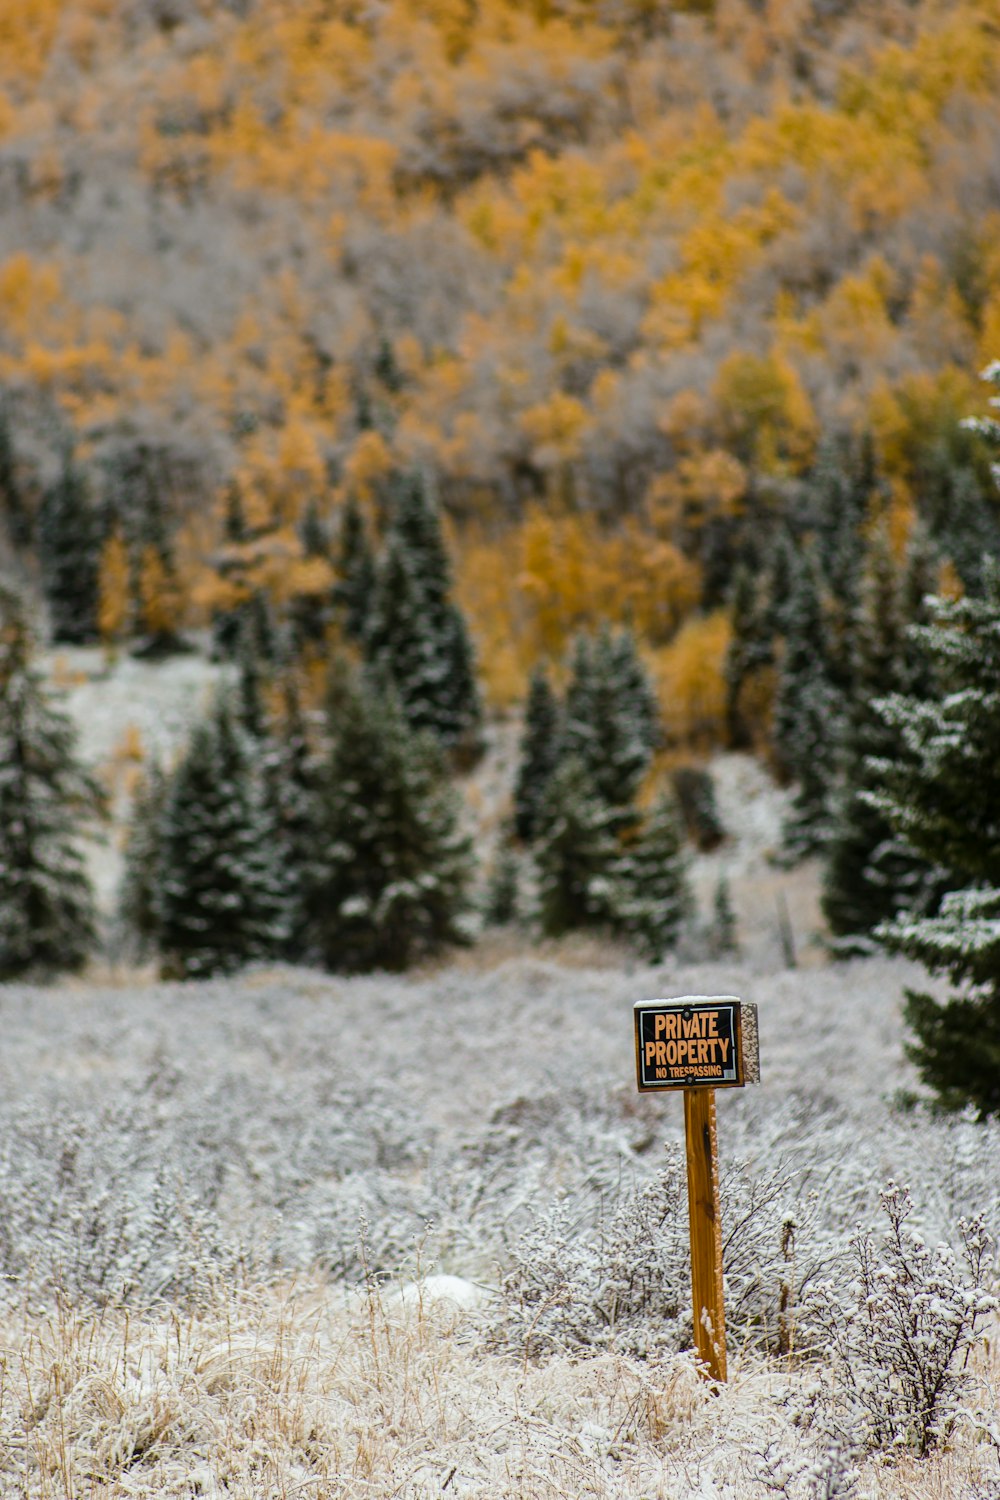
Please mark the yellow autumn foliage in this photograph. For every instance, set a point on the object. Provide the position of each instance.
(628, 260)
(690, 680)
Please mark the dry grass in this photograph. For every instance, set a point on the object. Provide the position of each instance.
(301, 1391)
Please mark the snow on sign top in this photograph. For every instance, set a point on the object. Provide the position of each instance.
(696, 1041)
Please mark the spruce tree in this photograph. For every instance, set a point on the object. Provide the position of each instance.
(250, 688)
(750, 651)
(221, 892)
(636, 693)
(417, 639)
(869, 872)
(47, 916)
(611, 718)
(70, 537)
(235, 532)
(310, 612)
(355, 565)
(501, 906)
(540, 748)
(577, 853)
(398, 866)
(944, 799)
(13, 500)
(293, 777)
(652, 897)
(807, 716)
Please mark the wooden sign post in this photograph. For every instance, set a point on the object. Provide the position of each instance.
(699, 1043)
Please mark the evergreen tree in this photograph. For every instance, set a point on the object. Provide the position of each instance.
(294, 782)
(577, 853)
(636, 692)
(47, 917)
(957, 498)
(417, 639)
(235, 532)
(252, 712)
(355, 565)
(838, 501)
(806, 717)
(870, 874)
(398, 867)
(750, 651)
(611, 719)
(13, 500)
(70, 537)
(502, 892)
(310, 612)
(652, 897)
(783, 570)
(540, 747)
(579, 709)
(944, 799)
(221, 899)
(137, 909)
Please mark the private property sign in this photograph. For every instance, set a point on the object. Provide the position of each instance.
(697, 1044)
(700, 1040)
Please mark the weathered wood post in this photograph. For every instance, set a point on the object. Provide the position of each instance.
(705, 1223)
(699, 1043)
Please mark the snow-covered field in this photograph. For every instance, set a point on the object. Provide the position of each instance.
(294, 1235)
(198, 1181)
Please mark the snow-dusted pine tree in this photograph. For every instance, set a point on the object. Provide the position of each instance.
(577, 853)
(14, 507)
(355, 566)
(47, 919)
(502, 893)
(540, 748)
(293, 780)
(807, 714)
(652, 896)
(416, 637)
(612, 718)
(870, 873)
(749, 654)
(221, 892)
(70, 536)
(943, 797)
(398, 866)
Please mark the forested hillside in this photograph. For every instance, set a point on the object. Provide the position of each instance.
(627, 280)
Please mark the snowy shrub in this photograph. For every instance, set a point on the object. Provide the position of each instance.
(803, 1464)
(622, 1286)
(902, 1331)
(624, 1280)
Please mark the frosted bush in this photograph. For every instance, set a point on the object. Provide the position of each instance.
(622, 1279)
(620, 1286)
(806, 1464)
(902, 1330)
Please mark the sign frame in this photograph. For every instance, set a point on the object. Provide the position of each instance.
(667, 1073)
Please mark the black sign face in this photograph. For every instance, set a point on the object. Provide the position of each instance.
(695, 1042)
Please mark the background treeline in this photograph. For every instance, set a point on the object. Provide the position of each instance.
(613, 275)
